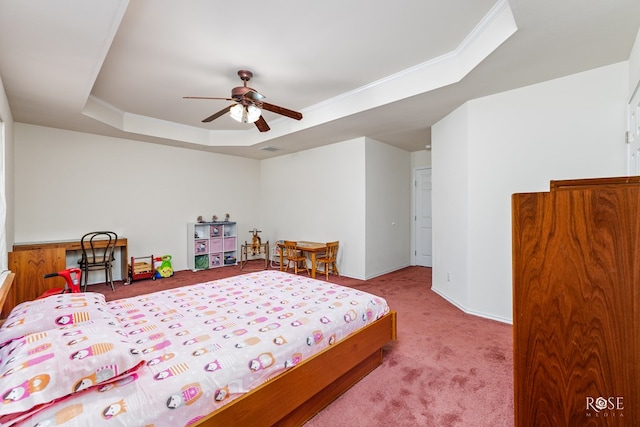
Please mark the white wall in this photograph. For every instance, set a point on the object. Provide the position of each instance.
(388, 208)
(318, 195)
(350, 191)
(68, 183)
(450, 199)
(634, 66)
(6, 178)
(516, 141)
(421, 159)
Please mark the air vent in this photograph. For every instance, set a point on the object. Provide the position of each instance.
(268, 148)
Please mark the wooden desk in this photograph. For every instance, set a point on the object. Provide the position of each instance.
(312, 247)
(74, 245)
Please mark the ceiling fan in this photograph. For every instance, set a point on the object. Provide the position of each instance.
(248, 105)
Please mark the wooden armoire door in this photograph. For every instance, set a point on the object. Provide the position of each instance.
(576, 252)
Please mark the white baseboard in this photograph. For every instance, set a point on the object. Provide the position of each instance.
(472, 312)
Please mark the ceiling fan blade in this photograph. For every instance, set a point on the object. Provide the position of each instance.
(281, 110)
(254, 95)
(218, 114)
(206, 97)
(262, 125)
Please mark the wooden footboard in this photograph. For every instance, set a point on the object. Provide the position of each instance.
(301, 392)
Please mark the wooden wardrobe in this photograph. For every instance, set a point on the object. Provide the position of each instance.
(576, 304)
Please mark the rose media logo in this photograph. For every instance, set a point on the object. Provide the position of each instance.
(605, 406)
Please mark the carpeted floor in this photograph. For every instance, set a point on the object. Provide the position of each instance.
(446, 369)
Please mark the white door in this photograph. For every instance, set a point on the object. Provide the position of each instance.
(422, 180)
(633, 133)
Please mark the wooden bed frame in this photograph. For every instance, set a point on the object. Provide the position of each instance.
(296, 395)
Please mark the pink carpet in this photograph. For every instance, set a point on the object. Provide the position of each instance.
(446, 369)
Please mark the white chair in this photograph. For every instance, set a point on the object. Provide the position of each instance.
(275, 254)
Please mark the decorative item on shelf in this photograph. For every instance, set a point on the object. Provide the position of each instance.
(227, 217)
(214, 218)
(200, 219)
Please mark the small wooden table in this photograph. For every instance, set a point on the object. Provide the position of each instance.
(312, 247)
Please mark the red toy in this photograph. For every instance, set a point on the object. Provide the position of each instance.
(141, 269)
(72, 285)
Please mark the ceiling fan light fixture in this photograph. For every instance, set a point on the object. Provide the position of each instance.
(244, 110)
(245, 114)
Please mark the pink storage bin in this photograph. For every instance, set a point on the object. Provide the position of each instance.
(230, 244)
(215, 260)
(216, 231)
(201, 246)
(215, 245)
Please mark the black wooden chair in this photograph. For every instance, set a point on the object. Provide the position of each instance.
(98, 253)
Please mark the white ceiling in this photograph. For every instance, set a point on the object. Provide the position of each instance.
(376, 68)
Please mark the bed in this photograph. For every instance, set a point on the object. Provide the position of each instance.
(266, 348)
